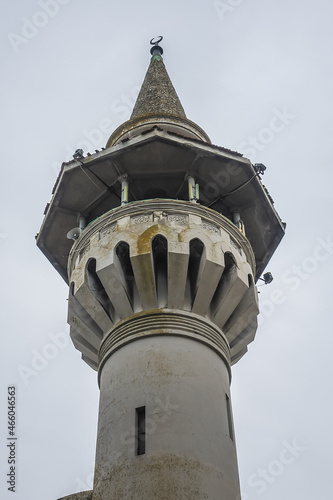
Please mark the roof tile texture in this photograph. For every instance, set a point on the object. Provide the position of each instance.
(157, 94)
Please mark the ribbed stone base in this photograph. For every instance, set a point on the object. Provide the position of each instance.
(162, 322)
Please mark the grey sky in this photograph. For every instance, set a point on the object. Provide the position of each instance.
(256, 75)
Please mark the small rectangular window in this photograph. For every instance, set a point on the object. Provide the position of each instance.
(140, 426)
(229, 416)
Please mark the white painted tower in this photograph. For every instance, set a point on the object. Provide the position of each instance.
(170, 235)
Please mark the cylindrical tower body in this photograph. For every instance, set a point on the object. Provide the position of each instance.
(162, 290)
(181, 386)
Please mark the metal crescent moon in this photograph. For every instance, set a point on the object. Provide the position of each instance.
(159, 39)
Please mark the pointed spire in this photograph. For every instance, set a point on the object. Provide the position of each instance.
(157, 103)
(157, 94)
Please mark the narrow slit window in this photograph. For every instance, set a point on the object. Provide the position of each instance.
(141, 430)
(229, 416)
(160, 256)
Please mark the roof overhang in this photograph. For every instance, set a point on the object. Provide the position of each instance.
(158, 161)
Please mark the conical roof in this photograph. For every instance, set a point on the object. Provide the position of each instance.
(157, 94)
(157, 104)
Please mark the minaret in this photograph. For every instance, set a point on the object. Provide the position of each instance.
(167, 235)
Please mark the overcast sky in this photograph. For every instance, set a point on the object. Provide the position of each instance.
(256, 75)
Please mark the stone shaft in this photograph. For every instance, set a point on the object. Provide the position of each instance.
(184, 387)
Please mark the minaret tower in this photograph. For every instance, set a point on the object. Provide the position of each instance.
(167, 235)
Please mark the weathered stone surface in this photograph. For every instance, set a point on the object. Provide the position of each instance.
(157, 94)
(183, 385)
